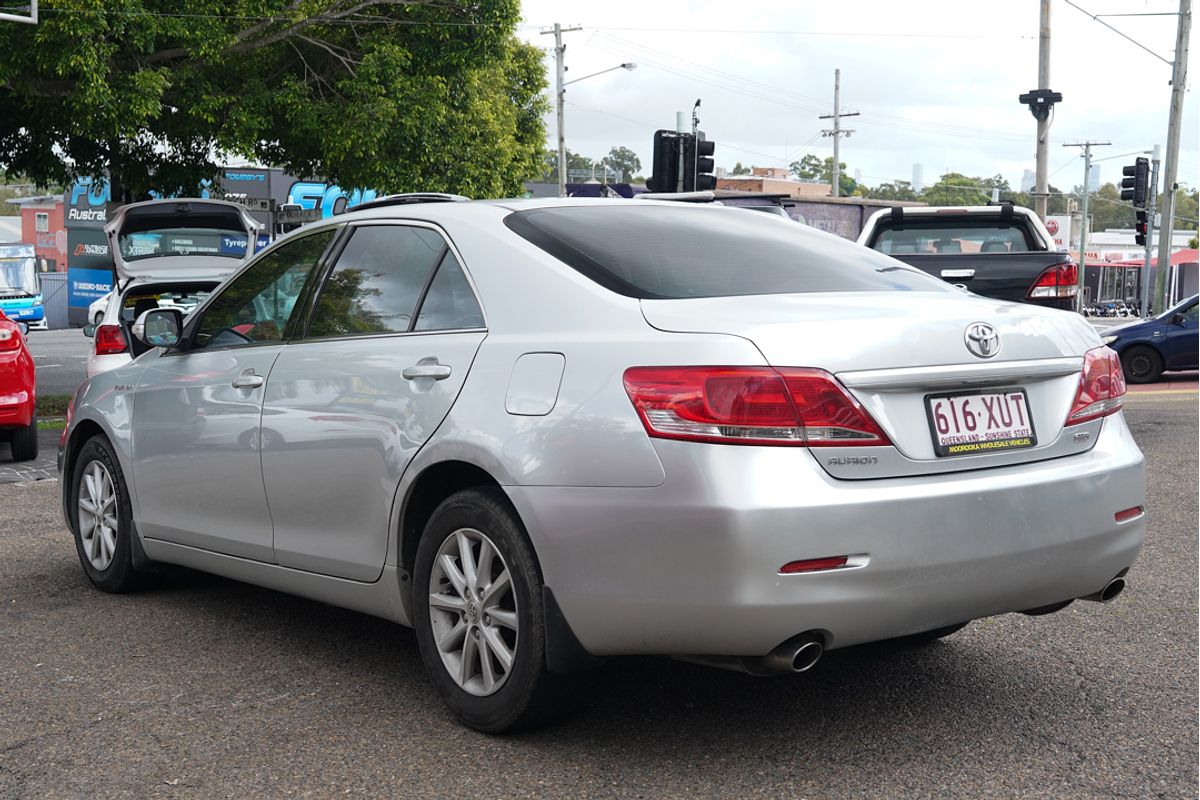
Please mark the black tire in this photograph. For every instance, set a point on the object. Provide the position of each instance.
(119, 575)
(530, 696)
(928, 637)
(24, 441)
(1141, 364)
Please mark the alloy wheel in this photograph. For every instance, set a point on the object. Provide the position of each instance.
(473, 612)
(97, 503)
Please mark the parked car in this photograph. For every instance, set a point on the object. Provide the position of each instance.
(1164, 343)
(98, 307)
(1000, 251)
(547, 432)
(18, 391)
(166, 253)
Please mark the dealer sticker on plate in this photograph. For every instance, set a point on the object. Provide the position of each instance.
(981, 422)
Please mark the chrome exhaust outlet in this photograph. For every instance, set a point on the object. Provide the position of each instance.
(1108, 593)
(798, 654)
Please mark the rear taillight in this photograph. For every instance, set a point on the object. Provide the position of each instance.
(1101, 386)
(10, 339)
(110, 340)
(1060, 280)
(750, 405)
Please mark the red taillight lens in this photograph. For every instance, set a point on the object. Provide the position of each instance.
(110, 340)
(1101, 386)
(10, 338)
(749, 405)
(1060, 280)
(1128, 514)
(813, 565)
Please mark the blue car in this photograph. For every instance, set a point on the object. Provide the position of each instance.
(1150, 347)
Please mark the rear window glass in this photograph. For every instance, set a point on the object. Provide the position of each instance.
(661, 252)
(941, 236)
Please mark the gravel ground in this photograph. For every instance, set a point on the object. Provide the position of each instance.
(209, 688)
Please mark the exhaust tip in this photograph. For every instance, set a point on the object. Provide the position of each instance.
(1109, 593)
(807, 656)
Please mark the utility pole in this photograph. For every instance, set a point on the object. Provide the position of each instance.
(837, 132)
(1144, 280)
(1041, 104)
(1083, 227)
(1162, 288)
(560, 74)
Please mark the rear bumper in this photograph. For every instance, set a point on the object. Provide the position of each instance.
(16, 409)
(691, 566)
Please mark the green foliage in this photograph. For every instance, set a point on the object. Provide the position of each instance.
(895, 190)
(811, 168)
(953, 189)
(625, 161)
(739, 169)
(398, 96)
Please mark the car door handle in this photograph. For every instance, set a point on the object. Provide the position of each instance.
(248, 380)
(961, 274)
(426, 370)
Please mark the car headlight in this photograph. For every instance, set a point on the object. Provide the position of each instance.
(1110, 339)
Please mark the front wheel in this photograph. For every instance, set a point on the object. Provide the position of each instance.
(101, 518)
(1142, 364)
(479, 617)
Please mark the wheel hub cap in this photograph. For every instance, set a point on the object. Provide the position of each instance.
(97, 517)
(473, 612)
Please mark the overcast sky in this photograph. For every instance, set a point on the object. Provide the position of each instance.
(936, 81)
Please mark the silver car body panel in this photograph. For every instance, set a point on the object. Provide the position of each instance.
(651, 546)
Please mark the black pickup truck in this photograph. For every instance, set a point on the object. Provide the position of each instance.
(1000, 251)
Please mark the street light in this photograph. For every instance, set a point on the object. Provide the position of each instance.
(562, 91)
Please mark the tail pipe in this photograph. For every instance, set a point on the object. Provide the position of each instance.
(1109, 592)
(798, 654)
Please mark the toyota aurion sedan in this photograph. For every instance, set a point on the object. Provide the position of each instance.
(546, 432)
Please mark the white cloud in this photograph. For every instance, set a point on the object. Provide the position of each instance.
(939, 87)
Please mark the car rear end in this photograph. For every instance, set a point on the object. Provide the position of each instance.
(890, 457)
(17, 381)
(1000, 252)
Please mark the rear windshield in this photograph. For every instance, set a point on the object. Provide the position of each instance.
(949, 236)
(661, 252)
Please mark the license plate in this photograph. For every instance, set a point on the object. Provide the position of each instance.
(980, 422)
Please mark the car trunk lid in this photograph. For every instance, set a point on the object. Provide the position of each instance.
(898, 353)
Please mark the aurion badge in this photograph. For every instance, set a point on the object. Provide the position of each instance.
(982, 339)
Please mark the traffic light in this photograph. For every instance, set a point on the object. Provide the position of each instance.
(664, 176)
(1136, 182)
(1140, 227)
(698, 164)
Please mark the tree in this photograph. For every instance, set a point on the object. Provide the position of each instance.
(155, 94)
(895, 190)
(575, 161)
(738, 169)
(811, 168)
(624, 161)
(955, 189)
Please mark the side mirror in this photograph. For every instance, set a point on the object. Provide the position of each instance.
(89, 330)
(158, 327)
(1178, 319)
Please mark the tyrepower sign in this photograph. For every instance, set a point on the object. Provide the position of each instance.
(1059, 228)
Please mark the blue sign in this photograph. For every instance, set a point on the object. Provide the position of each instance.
(236, 245)
(85, 286)
(330, 199)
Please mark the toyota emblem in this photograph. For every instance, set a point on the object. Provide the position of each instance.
(982, 339)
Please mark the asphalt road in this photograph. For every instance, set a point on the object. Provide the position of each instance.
(61, 359)
(206, 688)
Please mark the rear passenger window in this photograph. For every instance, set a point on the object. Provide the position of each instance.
(450, 304)
(378, 279)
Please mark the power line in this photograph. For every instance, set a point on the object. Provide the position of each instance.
(1096, 18)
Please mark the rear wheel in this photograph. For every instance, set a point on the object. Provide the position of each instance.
(479, 618)
(24, 441)
(1142, 364)
(101, 518)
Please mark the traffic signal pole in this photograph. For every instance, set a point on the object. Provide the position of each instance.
(1083, 227)
(1144, 293)
(1042, 185)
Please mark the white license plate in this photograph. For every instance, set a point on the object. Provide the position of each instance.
(982, 422)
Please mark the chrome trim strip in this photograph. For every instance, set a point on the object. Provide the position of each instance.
(960, 374)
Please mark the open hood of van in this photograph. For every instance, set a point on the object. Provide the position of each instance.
(183, 237)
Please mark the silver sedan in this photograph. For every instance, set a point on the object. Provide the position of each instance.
(544, 433)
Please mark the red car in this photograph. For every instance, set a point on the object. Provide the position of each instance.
(18, 421)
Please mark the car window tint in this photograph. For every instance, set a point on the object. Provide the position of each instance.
(935, 238)
(658, 251)
(377, 281)
(449, 304)
(256, 306)
(1191, 313)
